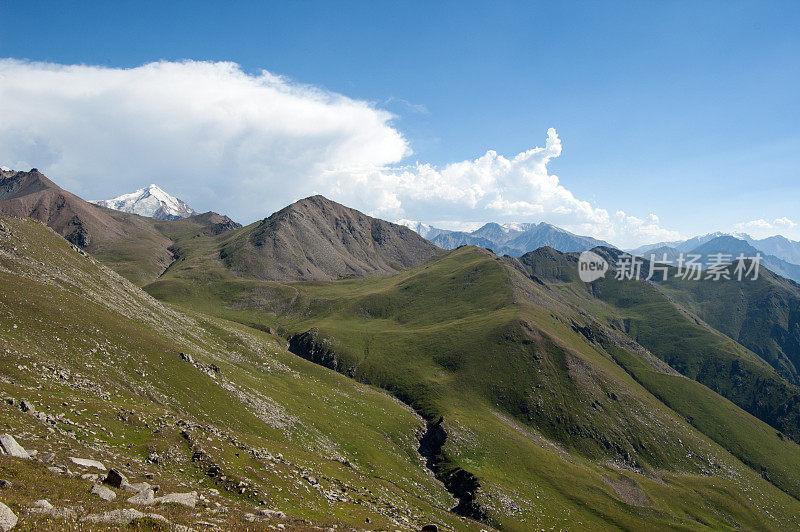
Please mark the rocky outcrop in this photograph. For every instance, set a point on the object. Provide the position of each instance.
(43, 507)
(313, 347)
(87, 463)
(121, 517)
(462, 484)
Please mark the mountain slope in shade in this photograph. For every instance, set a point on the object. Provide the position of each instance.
(454, 239)
(680, 245)
(777, 246)
(150, 201)
(318, 239)
(762, 315)
(545, 234)
(422, 229)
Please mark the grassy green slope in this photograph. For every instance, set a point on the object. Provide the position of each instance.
(673, 334)
(101, 361)
(552, 424)
(762, 315)
(703, 354)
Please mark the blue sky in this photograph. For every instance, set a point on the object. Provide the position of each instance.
(686, 110)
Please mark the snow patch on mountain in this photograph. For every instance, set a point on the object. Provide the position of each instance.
(150, 201)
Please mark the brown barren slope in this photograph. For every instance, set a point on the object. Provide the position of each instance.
(318, 239)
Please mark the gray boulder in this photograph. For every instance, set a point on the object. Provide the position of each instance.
(12, 448)
(138, 487)
(87, 463)
(43, 507)
(103, 492)
(144, 497)
(7, 518)
(186, 499)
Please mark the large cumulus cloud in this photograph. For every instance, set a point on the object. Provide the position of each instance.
(246, 144)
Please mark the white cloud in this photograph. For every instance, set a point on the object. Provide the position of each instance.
(491, 187)
(208, 132)
(248, 144)
(761, 228)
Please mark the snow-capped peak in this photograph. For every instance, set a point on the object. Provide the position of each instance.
(420, 228)
(516, 226)
(150, 201)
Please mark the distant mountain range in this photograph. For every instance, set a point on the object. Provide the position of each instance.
(513, 239)
(778, 253)
(150, 201)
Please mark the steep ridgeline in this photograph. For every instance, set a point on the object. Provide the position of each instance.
(318, 239)
(31, 194)
(137, 247)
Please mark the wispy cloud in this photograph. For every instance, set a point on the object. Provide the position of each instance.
(413, 107)
(761, 228)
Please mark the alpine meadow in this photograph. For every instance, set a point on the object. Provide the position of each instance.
(370, 304)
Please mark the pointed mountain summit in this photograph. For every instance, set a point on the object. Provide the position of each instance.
(318, 239)
(150, 201)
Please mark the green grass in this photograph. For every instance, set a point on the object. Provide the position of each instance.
(541, 415)
(130, 385)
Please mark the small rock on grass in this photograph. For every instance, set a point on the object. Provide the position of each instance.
(186, 499)
(121, 517)
(103, 492)
(44, 504)
(115, 479)
(87, 463)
